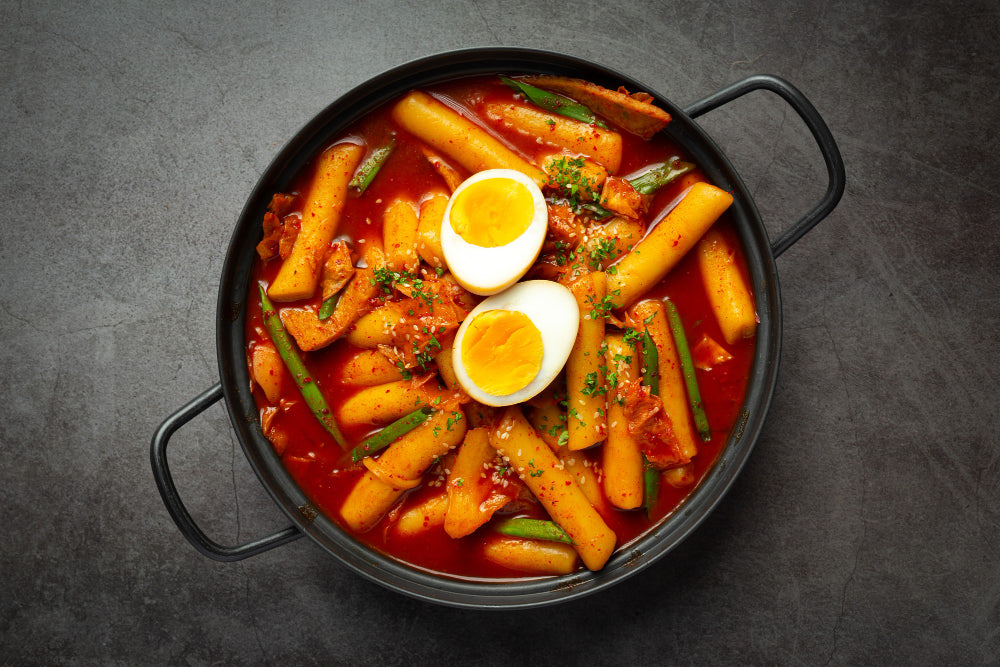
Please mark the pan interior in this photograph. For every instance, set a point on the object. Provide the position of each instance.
(231, 313)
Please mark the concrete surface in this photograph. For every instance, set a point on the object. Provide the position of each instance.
(866, 526)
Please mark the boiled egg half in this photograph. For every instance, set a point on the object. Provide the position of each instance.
(513, 344)
(493, 230)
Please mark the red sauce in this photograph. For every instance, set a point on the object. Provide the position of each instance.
(324, 471)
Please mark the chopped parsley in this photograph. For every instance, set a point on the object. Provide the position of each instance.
(591, 386)
(426, 356)
(387, 280)
(567, 177)
(632, 336)
(561, 257)
(603, 250)
(611, 378)
(601, 308)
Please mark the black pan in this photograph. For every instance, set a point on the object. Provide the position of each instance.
(234, 387)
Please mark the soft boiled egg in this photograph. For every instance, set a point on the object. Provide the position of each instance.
(493, 229)
(513, 344)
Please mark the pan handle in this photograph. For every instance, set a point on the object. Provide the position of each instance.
(179, 513)
(820, 132)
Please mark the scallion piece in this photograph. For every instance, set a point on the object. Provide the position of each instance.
(654, 179)
(328, 306)
(386, 436)
(650, 378)
(534, 529)
(687, 367)
(555, 103)
(307, 386)
(651, 486)
(650, 364)
(366, 173)
(598, 211)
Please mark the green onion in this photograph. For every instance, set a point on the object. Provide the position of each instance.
(598, 211)
(555, 103)
(307, 386)
(650, 364)
(656, 178)
(650, 378)
(687, 366)
(386, 436)
(328, 306)
(369, 168)
(535, 529)
(651, 486)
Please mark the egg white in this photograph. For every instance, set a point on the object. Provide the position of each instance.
(487, 271)
(552, 308)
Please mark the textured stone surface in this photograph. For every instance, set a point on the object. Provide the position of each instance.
(866, 526)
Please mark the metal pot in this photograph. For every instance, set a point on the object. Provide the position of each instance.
(306, 520)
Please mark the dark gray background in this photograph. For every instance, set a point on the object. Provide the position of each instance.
(866, 526)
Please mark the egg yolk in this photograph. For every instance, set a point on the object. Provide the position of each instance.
(502, 351)
(492, 212)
